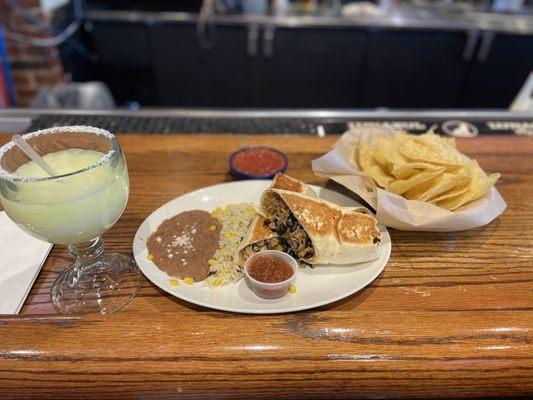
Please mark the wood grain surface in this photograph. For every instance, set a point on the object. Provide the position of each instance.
(450, 316)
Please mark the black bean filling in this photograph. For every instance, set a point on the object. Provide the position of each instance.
(292, 235)
(267, 244)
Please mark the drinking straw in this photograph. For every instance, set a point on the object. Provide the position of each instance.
(32, 154)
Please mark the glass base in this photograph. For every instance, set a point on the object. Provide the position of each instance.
(103, 286)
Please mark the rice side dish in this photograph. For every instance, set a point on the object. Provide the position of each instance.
(235, 219)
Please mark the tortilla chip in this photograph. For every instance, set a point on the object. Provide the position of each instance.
(426, 168)
(401, 137)
(427, 148)
(484, 185)
(402, 186)
(405, 171)
(366, 158)
(388, 152)
(479, 186)
(381, 177)
(434, 188)
(456, 191)
(450, 142)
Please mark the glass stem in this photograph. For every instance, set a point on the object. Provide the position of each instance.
(85, 254)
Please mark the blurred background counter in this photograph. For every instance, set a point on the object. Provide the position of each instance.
(316, 122)
(419, 54)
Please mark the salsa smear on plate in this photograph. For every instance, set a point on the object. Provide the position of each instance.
(258, 161)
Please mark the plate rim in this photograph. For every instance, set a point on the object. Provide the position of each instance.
(387, 249)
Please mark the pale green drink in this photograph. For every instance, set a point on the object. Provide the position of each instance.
(85, 196)
(74, 208)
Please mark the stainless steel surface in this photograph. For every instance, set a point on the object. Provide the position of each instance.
(252, 40)
(318, 122)
(399, 18)
(484, 47)
(470, 46)
(14, 123)
(268, 41)
(21, 114)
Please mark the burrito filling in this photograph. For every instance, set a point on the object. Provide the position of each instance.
(266, 244)
(292, 235)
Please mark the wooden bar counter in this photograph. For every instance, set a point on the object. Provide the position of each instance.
(450, 316)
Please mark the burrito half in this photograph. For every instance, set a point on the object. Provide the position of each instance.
(259, 237)
(320, 232)
(285, 182)
(359, 237)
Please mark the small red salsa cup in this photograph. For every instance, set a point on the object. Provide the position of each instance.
(270, 290)
(257, 162)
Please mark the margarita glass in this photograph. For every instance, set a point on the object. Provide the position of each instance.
(74, 207)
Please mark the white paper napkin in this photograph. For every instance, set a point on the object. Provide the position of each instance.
(21, 259)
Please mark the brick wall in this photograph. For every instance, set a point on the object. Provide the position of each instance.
(32, 67)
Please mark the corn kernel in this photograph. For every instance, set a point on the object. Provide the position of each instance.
(150, 256)
(173, 282)
(292, 289)
(212, 261)
(230, 234)
(212, 228)
(217, 282)
(188, 281)
(222, 249)
(217, 211)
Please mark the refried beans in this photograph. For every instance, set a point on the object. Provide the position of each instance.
(183, 244)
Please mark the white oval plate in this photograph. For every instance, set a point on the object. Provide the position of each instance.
(316, 287)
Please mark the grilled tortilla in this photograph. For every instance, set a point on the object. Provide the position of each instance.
(319, 232)
(285, 182)
(259, 237)
(359, 236)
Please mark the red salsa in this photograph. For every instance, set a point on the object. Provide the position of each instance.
(258, 161)
(269, 269)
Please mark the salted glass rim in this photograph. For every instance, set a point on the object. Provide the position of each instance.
(106, 158)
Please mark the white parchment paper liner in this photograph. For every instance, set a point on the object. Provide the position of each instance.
(391, 209)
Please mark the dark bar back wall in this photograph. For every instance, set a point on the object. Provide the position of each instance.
(160, 63)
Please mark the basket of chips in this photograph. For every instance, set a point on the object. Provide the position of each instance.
(413, 182)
